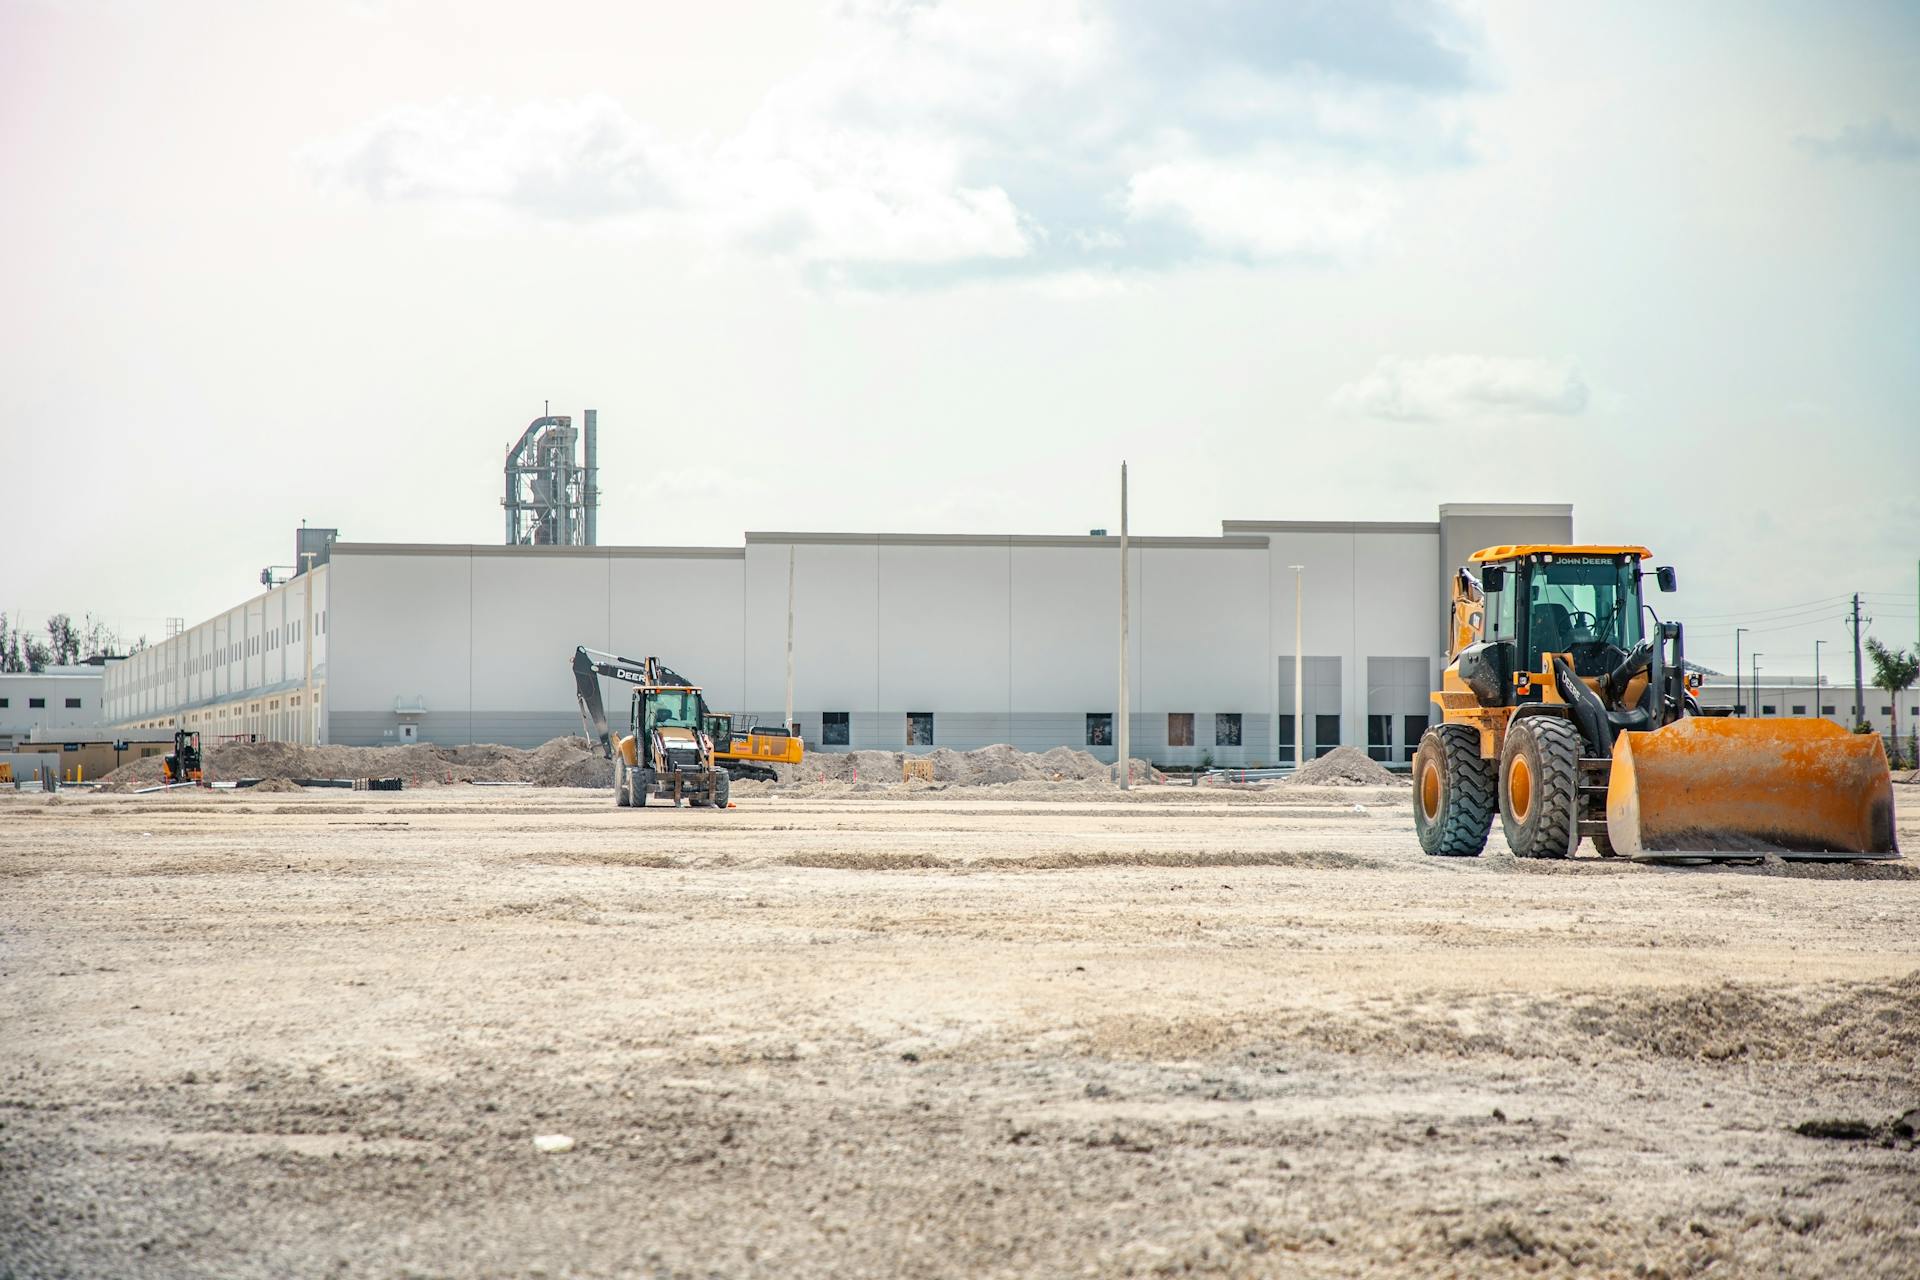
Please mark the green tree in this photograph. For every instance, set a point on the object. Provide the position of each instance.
(1894, 670)
(63, 638)
(10, 659)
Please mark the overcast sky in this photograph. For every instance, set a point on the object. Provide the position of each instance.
(939, 266)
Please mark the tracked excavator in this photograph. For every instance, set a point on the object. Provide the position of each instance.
(1567, 707)
(667, 752)
(751, 750)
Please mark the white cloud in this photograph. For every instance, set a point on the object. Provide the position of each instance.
(1242, 210)
(811, 194)
(932, 135)
(1465, 388)
(571, 159)
(1878, 141)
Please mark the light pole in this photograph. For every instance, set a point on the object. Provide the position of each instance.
(1737, 633)
(788, 724)
(312, 734)
(1816, 677)
(1121, 736)
(1756, 682)
(1299, 665)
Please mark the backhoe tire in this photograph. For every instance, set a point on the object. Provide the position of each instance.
(1540, 787)
(1603, 845)
(639, 783)
(722, 789)
(1453, 792)
(621, 796)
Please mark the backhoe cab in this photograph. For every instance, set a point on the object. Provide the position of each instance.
(183, 763)
(667, 752)
(1567, 706)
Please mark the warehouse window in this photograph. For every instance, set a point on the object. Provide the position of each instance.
(1099, 728)
(1326, 734)
(1416, 728)
(919, 728)
(1380, 737)
(1286, 740)
(1766, 709)
(36, 702)
(1226, 729)
(3, 702)
(1180, 728)
(835, 728)
(1886, 711)
(1827, 710)
(73, 704)
(1799, 708)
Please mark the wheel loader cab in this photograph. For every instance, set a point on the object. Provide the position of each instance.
(1584, 605)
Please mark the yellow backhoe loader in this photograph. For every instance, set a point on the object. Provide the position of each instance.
(1567, 706)
(666, 753)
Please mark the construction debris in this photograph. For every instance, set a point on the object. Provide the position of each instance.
(563, 762)
(987, 766)
(1345, 767)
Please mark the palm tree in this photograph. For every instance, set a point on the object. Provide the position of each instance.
(1894, 670)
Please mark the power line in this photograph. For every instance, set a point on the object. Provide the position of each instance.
(1824, 603)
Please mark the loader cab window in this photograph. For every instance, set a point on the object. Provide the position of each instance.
(1585, 605)
(1500, 611)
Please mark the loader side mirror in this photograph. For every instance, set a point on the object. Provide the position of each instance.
(1668, 579)
(1493, 578)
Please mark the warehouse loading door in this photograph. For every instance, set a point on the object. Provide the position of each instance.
(1320, 677)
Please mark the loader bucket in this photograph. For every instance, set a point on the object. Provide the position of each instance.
(1725, 788)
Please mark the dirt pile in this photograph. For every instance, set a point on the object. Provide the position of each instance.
(1345, 767)
(563, 762)
(988, 766)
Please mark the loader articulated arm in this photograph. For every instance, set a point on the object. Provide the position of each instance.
(588, 666)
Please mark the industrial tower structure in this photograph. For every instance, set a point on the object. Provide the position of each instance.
(551, 500)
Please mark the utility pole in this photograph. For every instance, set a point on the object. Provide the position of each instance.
(1816, 677)
(788, 722)
(1299, 668)
(1120, 730)
(1737, 633)
(1756, 682)
(1859, 684)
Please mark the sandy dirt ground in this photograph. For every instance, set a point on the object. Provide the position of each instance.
(952, 1033)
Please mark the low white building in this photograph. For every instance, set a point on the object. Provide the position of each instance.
(1832, 700)
(901, 641)
(52, 702)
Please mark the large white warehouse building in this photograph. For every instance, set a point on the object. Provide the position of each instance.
(902, 641)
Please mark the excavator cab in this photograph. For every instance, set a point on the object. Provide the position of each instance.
(753, 750)
(1568, 707)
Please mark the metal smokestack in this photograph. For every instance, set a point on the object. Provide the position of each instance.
(591, 498)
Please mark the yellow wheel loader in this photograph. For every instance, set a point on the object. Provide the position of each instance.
(666, 753)
(1566, 706)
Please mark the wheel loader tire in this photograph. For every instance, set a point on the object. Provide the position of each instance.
(1540, 787)
(621, 796)
(722, 789)
(1453, 792)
